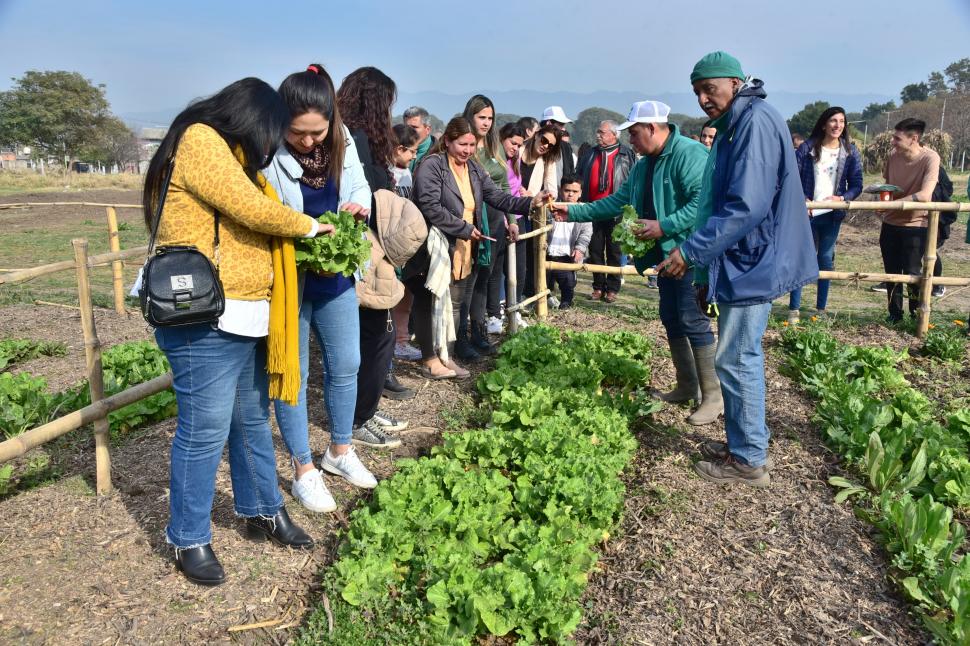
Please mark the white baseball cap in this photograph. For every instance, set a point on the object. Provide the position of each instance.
(646, 112)
(555, 113)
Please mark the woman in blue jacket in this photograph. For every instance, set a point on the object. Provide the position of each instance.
(831, 171)
(318, 170)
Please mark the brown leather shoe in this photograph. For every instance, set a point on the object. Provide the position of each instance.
(595, 295)
(610, 297)
(729, 471)
(713, 451)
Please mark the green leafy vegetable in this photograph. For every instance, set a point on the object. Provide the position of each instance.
(623, 233)
(340, 253)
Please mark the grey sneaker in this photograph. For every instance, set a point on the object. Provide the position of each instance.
(388, 423)
(714, 451)
(729, 471)
(371, 434)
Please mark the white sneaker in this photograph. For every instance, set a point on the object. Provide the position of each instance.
(494, 325)
(312, 493)
(520, 322)
(349, 467)
(388, 422)
(407, 352)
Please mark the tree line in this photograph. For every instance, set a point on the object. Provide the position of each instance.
(63, 115)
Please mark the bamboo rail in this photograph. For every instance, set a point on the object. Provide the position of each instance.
(19, 445)
(542, 304)
(117, 273)
(925, 279)
(511, 286)
(528, 301)
(93, 261)
(92, 355)
(16, 205)
(536, 232)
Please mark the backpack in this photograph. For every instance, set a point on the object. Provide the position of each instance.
(942, 193)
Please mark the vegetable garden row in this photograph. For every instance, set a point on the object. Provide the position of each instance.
(913, 463)
(25, 401)
(496, 532)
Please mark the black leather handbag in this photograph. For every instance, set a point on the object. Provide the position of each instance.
(180, 285)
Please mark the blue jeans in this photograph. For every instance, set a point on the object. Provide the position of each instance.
(221, 388)
(679, 312)
(740, 365)
(337, 327)
(825, 231)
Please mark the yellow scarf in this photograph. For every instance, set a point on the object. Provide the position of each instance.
(283, 344)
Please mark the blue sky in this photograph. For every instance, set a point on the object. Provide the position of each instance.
(160, 54)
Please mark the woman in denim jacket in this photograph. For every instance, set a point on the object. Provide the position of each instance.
(831, 170)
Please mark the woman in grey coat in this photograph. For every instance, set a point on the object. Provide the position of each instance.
(450, 188)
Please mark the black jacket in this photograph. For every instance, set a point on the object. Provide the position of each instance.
(625, 159)
(378, 175)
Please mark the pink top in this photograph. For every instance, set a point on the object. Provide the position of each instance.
(515, 181)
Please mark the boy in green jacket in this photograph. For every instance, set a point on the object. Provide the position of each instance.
(664, 187)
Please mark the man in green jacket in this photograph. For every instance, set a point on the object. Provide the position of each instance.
(664, 187)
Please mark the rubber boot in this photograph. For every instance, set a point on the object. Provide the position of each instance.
(712, 405)
(480, 339)
(464, 350)
(683, 358)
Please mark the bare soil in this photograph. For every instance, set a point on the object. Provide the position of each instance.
(692, 563)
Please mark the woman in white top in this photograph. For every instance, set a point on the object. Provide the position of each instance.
(831, 170)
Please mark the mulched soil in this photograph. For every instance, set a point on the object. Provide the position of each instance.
(691, 563)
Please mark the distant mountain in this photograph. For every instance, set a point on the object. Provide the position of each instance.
(532, 102)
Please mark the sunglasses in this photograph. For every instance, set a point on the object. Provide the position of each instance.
(545, 142)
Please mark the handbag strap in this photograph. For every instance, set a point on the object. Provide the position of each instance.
(157, 219)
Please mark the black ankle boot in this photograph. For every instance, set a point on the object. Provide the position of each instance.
(200, 565)
(279, 529)
(394, 389)
(464, 350)
(480, 339)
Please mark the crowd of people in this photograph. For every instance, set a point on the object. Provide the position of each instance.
(247, 170)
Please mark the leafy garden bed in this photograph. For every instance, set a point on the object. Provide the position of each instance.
(495, 533)
(913, 460)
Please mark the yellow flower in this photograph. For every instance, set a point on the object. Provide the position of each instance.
(930, 326)
(814, 318)
(958, 322)
(785, 323)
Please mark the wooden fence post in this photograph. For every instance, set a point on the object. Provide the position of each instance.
(92, 353)
(542, 305)
(511, 288)
(117, 274)
(926, 285)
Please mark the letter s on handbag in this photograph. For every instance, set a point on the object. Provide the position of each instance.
(179, 284)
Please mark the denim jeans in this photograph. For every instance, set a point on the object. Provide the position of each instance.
(740, 365)
(335, 323)
(221, 388)
(680, 314)
(825, 231)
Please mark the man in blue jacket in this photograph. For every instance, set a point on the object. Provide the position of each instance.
(753, 243)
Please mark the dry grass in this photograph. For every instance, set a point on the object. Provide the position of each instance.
(20, 181)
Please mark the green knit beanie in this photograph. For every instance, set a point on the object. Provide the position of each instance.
(717, 65)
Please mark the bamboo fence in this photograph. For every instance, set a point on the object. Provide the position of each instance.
(925, 279)
(115, 257)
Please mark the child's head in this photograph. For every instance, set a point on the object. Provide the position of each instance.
(570, 188)
(406, 144)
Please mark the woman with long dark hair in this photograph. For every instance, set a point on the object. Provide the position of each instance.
(480, 113)
(216, 195)
(450, 188)
(831, 170)
(541, 171)
(316, 171)
(364, 99)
